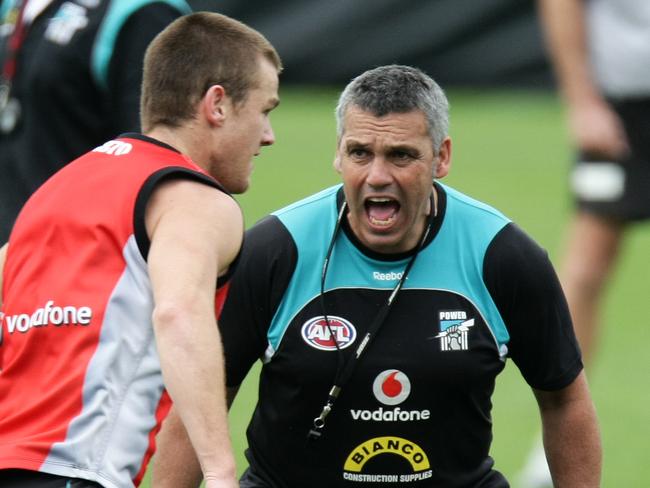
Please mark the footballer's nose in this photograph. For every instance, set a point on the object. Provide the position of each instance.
(268, 137)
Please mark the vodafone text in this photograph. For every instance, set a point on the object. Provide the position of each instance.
(394, 415)
(49, 315)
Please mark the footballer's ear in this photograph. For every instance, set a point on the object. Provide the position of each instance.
(443, 159)
(214, 105)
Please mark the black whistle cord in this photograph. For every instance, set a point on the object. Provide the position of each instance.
(344, 371)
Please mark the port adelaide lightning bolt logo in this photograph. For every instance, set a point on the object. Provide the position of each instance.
(454, 329)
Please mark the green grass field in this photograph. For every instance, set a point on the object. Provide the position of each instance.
(509, 150)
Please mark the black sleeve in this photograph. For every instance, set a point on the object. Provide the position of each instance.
(125, 67)
(527, 292)
(144, 196)
(266, 265)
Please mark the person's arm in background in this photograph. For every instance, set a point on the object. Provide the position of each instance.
(195, 232)
(175, 464)
(593, 125)
(571, 435)
(125, 68)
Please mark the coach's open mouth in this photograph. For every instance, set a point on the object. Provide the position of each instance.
(381, 211)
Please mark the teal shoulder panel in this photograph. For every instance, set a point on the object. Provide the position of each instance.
(452, 262)
(117, 14)
(5, 6)
(310, 222)
(467, 231)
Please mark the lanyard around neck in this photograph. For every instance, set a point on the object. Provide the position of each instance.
(344, 371)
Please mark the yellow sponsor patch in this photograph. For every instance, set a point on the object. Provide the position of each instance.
(386, 445)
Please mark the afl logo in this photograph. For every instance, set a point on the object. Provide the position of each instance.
(391, 387)
(316, 333)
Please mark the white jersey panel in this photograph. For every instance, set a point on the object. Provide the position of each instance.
(619, 39)
(123, 385)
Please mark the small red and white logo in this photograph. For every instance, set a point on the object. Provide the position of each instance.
(391, 387)
(114, 148)
(317, 334)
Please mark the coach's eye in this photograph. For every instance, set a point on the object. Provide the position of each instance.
(401, 156)
(358, 153)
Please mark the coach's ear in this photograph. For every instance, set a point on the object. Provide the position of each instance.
(337, 157)
(337, 163)
(443, 159)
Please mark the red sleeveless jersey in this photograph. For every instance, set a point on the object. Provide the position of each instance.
(81, 391)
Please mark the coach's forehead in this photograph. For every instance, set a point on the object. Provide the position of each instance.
(395, 126)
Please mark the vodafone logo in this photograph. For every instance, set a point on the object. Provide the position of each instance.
(391, 387)
(317, 334)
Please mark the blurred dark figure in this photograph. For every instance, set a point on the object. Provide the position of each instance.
(71, 74)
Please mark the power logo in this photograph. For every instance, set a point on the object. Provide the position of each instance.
(317, 334)
(66, 22)
(454, 330)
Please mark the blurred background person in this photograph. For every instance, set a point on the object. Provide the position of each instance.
(70, 80)
(600, 50)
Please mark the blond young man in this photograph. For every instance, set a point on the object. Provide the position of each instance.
(111, 269)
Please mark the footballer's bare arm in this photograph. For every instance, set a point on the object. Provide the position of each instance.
(175, 464)
(195, 232)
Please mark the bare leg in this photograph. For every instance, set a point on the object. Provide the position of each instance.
(592, 249)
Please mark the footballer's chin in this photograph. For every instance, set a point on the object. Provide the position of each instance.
(237, 186)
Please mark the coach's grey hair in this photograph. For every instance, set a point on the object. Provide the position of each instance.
(397, 89)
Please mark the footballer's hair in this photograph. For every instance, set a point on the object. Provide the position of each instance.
(193, 53)
(397, 89)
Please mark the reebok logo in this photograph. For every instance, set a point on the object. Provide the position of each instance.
(49, 315)
(391, 276)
